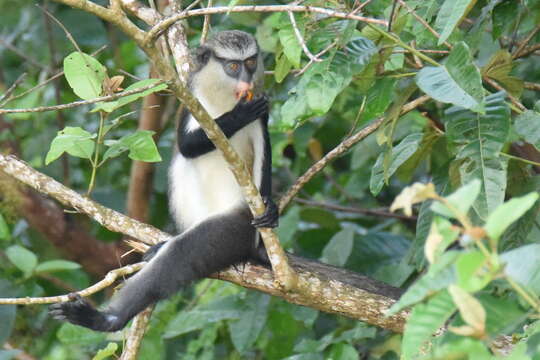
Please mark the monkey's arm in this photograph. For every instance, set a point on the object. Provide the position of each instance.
(195, 143)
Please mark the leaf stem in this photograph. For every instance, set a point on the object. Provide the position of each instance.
(520, 159)
(398, 41)
(95, 163)
(524, 294)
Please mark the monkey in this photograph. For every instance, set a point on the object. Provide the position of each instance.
(217, 229)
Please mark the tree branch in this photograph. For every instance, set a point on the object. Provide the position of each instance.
(327, 288)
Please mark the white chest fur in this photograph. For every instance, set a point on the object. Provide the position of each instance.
(204, 186)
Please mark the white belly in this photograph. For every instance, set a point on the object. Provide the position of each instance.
(204, 186)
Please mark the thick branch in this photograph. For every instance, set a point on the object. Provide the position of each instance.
(327, 288)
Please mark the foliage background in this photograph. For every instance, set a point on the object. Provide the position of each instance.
(366, 74)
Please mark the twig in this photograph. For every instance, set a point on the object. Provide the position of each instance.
(52, 78)
(136, 334)
(532, 86)
(165, 23)
(23, 55)
(423, 22)
(68, 34)
(515, 102)
(526, 41)
(526, 161)
(300, 39)
(339, 150)
(321, 164)
(81, 102)
(527, 51)
(107, 281)
(206, 24)
(322, 52)
(12, 88)
(354, 210)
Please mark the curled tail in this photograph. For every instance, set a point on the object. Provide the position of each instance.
(208, 247)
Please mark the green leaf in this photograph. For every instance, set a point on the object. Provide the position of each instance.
(5, 233)
(523, 265)
(441, 235)
(439, 276)
(110, 106)
(397, 156)
(22, 258)
(283, 66)
(452, 11)
(291, 46)
(498, 68)
(479, 138)
(73, 334)
(472, 271)
(457, 82)
(461, 200)
(507, 213)
(140, 144)
(108, 351)
(227, 308)
(424, 321)
(503, 315)
(57, 265)
(338, 249)
(73, 140)
(343, 352)
(245, 331)
(527, 125)
(84, 74)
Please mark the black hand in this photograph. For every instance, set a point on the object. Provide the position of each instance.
(248, 111)
(270, 218)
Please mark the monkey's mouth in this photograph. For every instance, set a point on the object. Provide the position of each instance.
(246, 95)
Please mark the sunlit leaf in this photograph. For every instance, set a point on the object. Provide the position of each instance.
(470, 309)
(441, 235)
(460, 200)
(73, 140)
(473, 272)
(140, 144)
(507, 213)
(108, 351)
(411, 195)
(110, 106)
(84, 74)
(424, 321)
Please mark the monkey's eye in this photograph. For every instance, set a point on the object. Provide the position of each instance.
(251, 63)
(233, 66)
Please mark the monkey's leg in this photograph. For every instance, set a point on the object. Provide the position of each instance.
(208, 247)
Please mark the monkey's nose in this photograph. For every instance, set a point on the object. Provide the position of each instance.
(243, 89)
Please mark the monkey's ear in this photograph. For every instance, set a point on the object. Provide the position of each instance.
(202, 54)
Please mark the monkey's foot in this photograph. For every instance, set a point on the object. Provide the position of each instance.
(270, 218)
(79, 312)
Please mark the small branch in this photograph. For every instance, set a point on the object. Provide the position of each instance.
(136, 334)
(322, 52)
(354, 210)
(109, 279)
(532, 86)
(527, 51)
(52, 78)
(321, 164)
(12, 88)
(514, 101)
(23, 55)
(206, 24)
(526, 41)
(339, 150)
(424, 23)
(167, 22)
(81, 102)
(300, 39)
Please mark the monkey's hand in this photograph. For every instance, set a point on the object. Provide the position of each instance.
(270, 218)
(248, 111)
(79, 312)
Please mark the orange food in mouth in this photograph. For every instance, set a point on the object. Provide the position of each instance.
(249, 95)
